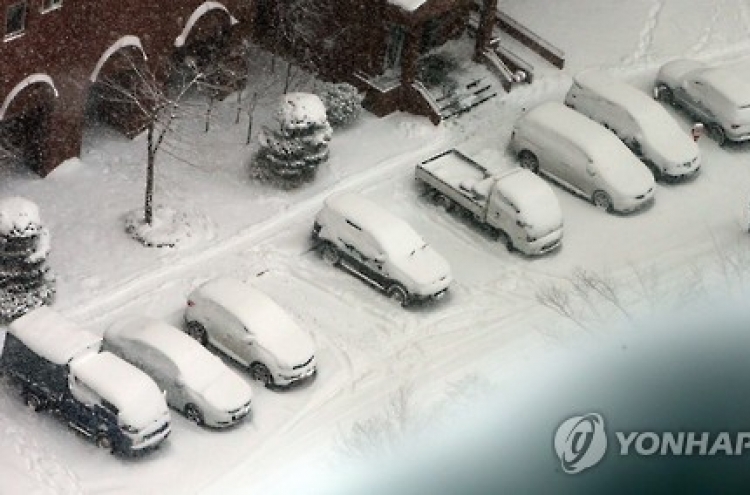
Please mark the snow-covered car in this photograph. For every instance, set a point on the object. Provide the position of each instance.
(642, 124)
(582, 156)
(248, 326)
(196, 382)
(382, 249)
(713, 95)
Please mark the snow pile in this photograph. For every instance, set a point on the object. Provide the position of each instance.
(169, 228)
(19, 217)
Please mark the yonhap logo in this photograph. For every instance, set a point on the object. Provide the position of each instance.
(580, 442)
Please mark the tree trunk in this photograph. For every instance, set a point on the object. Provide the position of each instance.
(148, 216)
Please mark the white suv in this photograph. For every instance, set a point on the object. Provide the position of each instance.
(380, 248)
(714, 96)
(249, 327)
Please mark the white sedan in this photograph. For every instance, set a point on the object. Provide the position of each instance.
(196, 382)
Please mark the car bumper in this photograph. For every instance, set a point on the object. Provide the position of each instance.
(544, 244)
(231, 418)
(628, 205)
(145, 441)
(287, 380)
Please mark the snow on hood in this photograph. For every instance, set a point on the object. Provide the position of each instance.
(134, 393)
(624, 172)
(538, 206)
(19, 216)
(227, 391)
(275, 330)
(423, 265)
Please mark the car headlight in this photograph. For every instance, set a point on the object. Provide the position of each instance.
(129, 429)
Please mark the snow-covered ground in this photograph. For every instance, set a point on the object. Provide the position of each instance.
(381, 368)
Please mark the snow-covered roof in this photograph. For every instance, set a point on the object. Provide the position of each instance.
(408, 5)
(133, 392)
(598, 143)
(19, 215)
(197, 365)
(392, 233)
(267, 321)
(300, 110)
(50, 335)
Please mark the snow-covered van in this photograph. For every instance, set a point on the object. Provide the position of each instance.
(582, 156)
(520, 206)
(60, 368)
(380, 248)
(712, 95)
(251, 328)
(640, 122)
(197, 383)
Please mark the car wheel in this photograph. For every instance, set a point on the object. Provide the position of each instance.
(260, 372)
(197, 331)
(397, 293)
(194, 414)
(505, 239)
(330, 253)
(104, 442)
(529, 161)
(663, 93)
(602, 200)
(33, 401)
(717, 132)
(655, 171)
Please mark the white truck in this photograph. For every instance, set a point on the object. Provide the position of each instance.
(516, 203)
(60, 367)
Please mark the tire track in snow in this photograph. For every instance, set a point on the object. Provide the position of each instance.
(708, 30)
(646, 38)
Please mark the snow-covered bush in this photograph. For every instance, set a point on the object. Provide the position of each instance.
(292, 153)
(26, 281)
(343, 103)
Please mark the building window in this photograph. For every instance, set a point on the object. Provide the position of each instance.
(48, 5)
(15, 19)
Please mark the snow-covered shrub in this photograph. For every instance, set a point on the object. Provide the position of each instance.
(26, 281)
(343, 103)
(292, 153)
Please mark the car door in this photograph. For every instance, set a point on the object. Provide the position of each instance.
(695, 99)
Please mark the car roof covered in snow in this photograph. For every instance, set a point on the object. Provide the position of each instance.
(595, 141)
(392, 233)
(134, 393)
(179, 348)
(52, 336)
(727, 84)
(273, 327)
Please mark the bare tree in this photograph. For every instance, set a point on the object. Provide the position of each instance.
(156, 102)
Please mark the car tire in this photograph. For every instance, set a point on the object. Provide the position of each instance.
(443, 202)
(529, 161)
(330, 253)
(197, 331)
(260, 372)
(398, 293)
(194, 414)
(103, 441)
(33, 401)
(658, 175)
(602, 200)
(505, 239)
(662, 92)
(718, 134)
